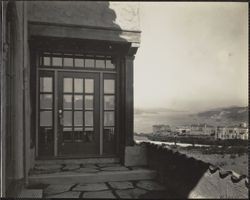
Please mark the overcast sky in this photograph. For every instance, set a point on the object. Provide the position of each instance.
(193, 56)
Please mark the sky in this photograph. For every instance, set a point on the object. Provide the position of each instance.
(193, 56)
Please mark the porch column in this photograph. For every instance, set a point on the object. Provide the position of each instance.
(129, 95)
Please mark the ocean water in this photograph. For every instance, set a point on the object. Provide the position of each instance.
(143, 122)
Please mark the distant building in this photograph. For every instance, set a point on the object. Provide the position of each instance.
(202, 129)
(161, 128)
(183, 130)
(232, 132)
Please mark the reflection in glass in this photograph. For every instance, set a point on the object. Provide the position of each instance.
(109, 102)
(46, 61)
(68, 62)
(78, 101)
(78, 118)
(67, 134)
(89, 85)
(109, 86)
(79, 62)
(46, 101)
(88, 118)
(108, 134)
(78, 84)
(67, 84)
(109, 64)
(67, 101)
(100, 63)
(89, 101)
(88, 133)
(57, 61)
(46, 135)
(78, 134)
(45, 84)
(67, 118)
(45, 118)
(89, 62)
(109, 118)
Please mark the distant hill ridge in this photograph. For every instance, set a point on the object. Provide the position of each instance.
(231, 115)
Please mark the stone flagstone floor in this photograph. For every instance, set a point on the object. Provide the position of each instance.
(110, 190)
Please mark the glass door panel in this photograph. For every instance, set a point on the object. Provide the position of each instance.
(109, 116)
(46, 113)
(78, 114)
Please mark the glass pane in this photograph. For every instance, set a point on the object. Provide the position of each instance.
(46, 135)
(88, 118)
(89, 85)
(46, 101)
(67, 84)
(88, 134)
(67, 118)
(78, 134)
(109, 118)
(78, 101)
(57, 61)
(89, 62)
(89, 101)
(68, 62)
(109, 65)
(45, 118)
(100, 63)
(78, 84)
(109, 86)
(46, 61)
(108, 134)
(78, 118)
(109, 102)
(79, 62)
(45, 84)
(67, 101)
(67, 134)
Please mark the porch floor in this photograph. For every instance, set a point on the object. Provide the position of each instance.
(118, 181)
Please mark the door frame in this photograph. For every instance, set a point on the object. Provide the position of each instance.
(56, 71)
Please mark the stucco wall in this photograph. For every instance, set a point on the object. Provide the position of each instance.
(114, 15)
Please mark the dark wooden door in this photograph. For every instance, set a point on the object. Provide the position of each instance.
(78, 114)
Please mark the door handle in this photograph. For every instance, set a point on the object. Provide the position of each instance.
(60, 115)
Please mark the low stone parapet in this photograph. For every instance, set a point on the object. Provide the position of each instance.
(188, 177)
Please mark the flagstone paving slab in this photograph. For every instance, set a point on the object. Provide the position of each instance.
(92, 166)
(150, 185)
(87, 170)
(130, 193)
(118, 168)
(30, 193)
(55, 189)
(121, 185)
(48, 167)
(91, 187)
(70, 194)
(71, 167)
(109, 164)
(101, 194)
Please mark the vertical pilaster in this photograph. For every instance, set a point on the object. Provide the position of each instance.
(129, 100)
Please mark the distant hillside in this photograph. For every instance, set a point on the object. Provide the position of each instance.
(229, 115)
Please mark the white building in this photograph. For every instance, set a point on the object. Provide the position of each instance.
(232, 132)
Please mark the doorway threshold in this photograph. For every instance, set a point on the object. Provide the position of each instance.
(67, 160)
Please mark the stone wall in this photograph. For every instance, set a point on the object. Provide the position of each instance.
(187, 177)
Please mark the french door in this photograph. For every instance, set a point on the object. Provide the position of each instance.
(76, 114)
